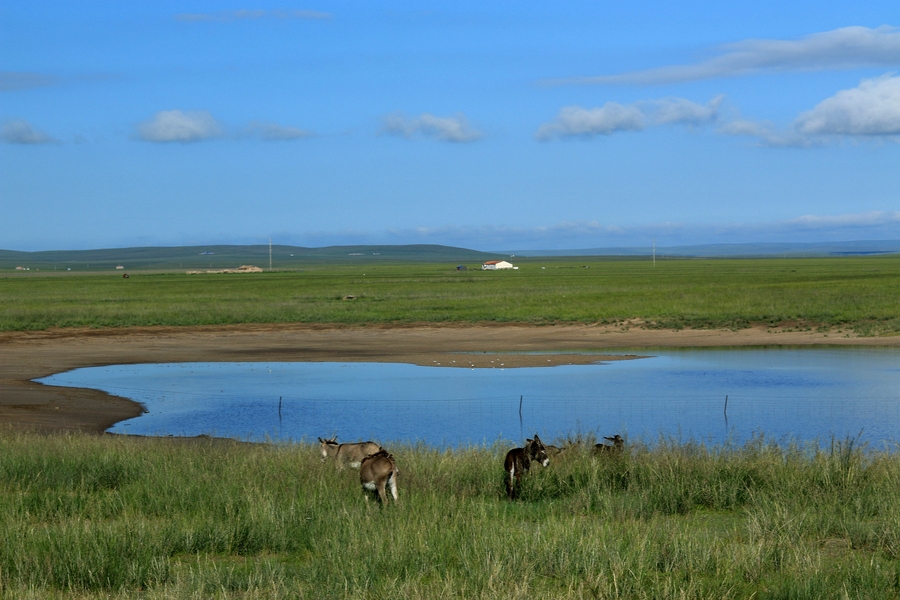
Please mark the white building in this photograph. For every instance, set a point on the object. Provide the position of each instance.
(493, 265)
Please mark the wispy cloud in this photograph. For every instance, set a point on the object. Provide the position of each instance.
(19, 131)
(12, 81)
(844, 48)
(866, 219)
(251, 15)
(177, 126)
(273, 132)
(765, 133)
(872, 225)
(195, 126)
(612, 117)
(448, 129)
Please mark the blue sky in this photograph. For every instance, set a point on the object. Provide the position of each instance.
(507, 125)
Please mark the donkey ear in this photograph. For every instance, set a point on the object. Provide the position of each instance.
(537, 439)
(321, 441)
(530, 441)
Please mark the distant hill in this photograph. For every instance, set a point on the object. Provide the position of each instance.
(226, 256)
(296, 257)
(738, 250)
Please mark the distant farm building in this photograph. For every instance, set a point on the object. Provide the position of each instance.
(495, 265)
(241, 269)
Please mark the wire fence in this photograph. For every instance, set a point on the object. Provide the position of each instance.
(456, 420)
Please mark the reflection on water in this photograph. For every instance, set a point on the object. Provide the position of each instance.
(805, 394)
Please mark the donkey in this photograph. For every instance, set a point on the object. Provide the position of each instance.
(353, 454)
(618, 445)
(518, 461)
(557, 450)
(378, 472)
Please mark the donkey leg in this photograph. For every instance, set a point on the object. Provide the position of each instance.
(392, 485)
(510, 489)
(518, 483)
(368, 487)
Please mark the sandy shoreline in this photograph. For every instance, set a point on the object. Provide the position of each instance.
(25, 356)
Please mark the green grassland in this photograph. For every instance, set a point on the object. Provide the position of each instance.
(846, 294)
(127, 517)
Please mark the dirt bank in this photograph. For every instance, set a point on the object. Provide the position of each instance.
(28, 355)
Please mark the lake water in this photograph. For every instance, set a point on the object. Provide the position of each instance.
(785, 394)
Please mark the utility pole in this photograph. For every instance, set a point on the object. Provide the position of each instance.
(654, 252)
(270, 255)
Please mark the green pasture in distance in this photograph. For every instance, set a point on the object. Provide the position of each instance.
(860, 294)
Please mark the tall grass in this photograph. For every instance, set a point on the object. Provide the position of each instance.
(126, 517)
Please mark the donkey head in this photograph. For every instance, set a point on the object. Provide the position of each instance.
(617, 447)
(329, 447)
(617, 441)
(536, 451)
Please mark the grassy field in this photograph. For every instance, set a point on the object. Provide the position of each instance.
(859, 294)
(125, 517)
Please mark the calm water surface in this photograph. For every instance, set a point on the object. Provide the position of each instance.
(803, 394)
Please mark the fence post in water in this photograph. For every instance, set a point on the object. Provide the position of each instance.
(725, 412)
(521, 428)
(279, 410)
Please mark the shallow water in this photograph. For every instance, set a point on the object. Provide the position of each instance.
(802, 394)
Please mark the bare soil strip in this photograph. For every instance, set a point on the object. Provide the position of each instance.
(25, 356)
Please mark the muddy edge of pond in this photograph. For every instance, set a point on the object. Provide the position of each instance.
(24, 356)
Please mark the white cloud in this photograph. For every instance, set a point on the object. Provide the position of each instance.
(685, 112)
(844, 48)
(178, 126)
(871, 109)
(251, 15)
(273, 132)
(613, 117)
(18, 131)
(588, 122)
(448, 129)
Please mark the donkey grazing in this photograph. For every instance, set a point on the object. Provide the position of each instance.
(353, 454)
(518, 461)
(557, 450)
(618, 445)
(378, 472)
